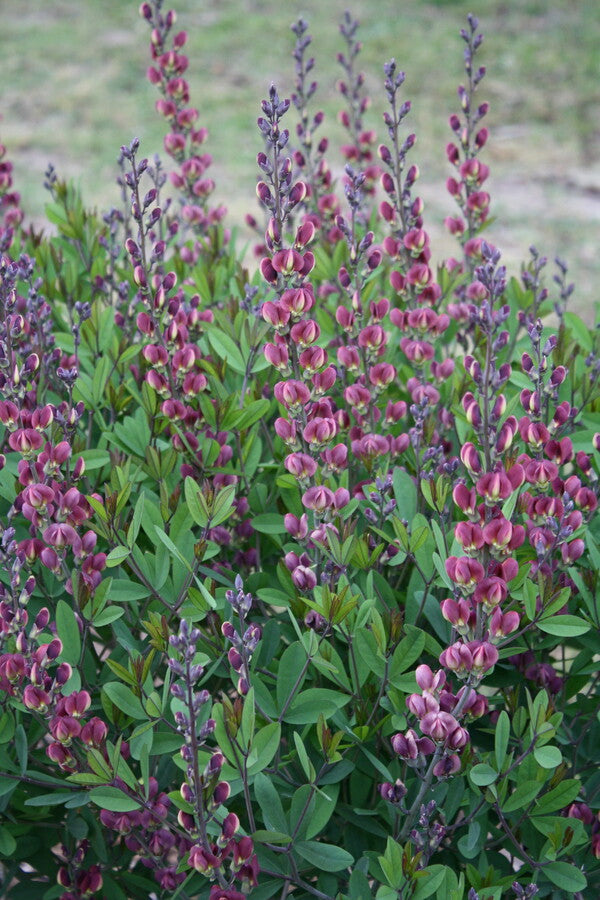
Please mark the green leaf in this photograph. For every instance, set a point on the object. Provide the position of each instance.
(268, 523)
(366, 647)
(251, 413)
(307, 766)
(270, 837)
(565, 876)
(522, 795)
(376, 762)
(113, 799)
(117, 555)
(559, 797)
(124, 699)
(21, 748)
(8, 844)
(564, 626)
(222, 506)
(136, 520)
(419, 538)
(581, 333)
(120, 671)
(68, 631)
(166, 540)
(270, 803)
(501, 738)
(325, 806)
(391, 864)
(329, 662)
(57, 798)
(248, 718)
(86, 778)
(407, 652)
(470, 843)
(99, 765)
(7, 727)
(307, 705)
(264, 747)
(122, 590)
(8, 786)
(292, 661)
(547, 757)
(482, 775)
(327, 857)
(359, 886)
(430, 879)
(108, 615)
(301, 812)
(196, 502)
(226, 349)
(405, 493)
(95, 459)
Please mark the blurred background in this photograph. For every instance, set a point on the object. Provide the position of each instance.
(74, 89)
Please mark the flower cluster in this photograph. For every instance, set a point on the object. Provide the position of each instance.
(32, 671)
(50, 499)
(146, 833)
(80, 882)
(489, 539)
(583, 812)
(439, 713)
(24, 668)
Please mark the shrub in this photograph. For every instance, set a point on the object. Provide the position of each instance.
(299, 588)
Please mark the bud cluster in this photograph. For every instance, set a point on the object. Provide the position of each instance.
(245, 641)
(185, 140)
(11, 214)
(418, 317)
(363, 341)
(428, 833)
(466, 188)
(19, 363)
(359, 153)
(202, 789)
(309, 157)
(173, 326)
(311, 423)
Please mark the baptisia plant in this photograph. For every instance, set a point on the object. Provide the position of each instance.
(299, 579)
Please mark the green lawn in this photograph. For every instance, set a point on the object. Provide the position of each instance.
(74, 90)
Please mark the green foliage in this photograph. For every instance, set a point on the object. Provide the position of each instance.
(210, 666)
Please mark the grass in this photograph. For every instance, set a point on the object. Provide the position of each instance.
(74, 91)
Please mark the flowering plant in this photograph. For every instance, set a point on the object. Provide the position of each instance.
(299, 568)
